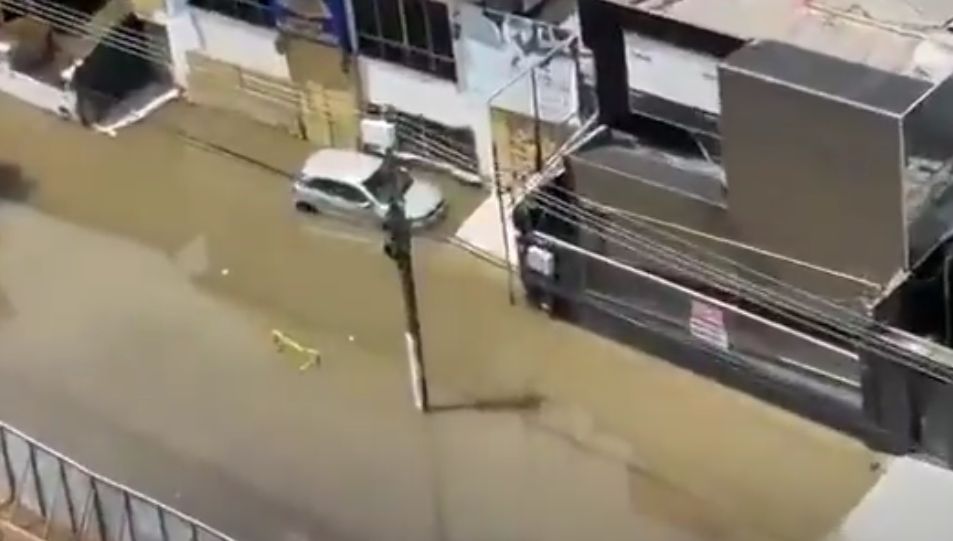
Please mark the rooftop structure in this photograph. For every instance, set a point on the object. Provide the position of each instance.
(908, 37)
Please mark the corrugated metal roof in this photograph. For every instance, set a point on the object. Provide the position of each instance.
(908, 37)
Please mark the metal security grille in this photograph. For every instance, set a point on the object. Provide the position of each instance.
(102, 27)
(435, 142)
(52, 497)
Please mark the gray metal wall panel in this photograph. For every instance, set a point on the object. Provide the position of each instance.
(618, 189)
(813, 179)
(662, 306)
(843, 80)
(623, 189)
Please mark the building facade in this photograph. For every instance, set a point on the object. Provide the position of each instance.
(453, 74)
(93, 60)
(765, 202)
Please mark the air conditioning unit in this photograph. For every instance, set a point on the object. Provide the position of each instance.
(378, 134)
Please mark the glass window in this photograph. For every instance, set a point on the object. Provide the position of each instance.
(340, 191)
(413, 33)
(320, 184)
(256, 12)
(439, 21)
(365, 17)
(350, 194)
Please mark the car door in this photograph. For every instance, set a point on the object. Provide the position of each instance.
(342, 199)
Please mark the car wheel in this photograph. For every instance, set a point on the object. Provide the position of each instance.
(305, 207)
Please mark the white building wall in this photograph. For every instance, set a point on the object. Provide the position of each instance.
(669, 72)
(221, 38)
(434, 98)
(493, 56)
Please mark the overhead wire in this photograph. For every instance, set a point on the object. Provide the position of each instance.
(650, 224)
(670, 258)
(808, 314)
(854, 334)
(855, 323)
(573, 216)
(796, 318)
(699, 267)
(600, 302)
(83, 25)
(898, 354)
(807, 299)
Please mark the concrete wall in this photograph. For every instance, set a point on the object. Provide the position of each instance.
(436, 99)
(221, 38)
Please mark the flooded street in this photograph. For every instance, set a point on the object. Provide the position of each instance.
(140, 278)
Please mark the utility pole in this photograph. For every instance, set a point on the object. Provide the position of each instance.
(398, 247)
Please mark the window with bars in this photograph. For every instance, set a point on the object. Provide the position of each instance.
(413, 33)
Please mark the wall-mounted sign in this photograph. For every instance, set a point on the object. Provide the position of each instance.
(321, 20)
(707, 323)
(495, 48)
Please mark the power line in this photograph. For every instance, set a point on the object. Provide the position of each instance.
(571, 215)
(667, 257)
(808, 297)
(753, 273)
(693, 264)
(82, 24)
(850, 333)
(903, 356)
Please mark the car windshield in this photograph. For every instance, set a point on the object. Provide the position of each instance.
(381, 187)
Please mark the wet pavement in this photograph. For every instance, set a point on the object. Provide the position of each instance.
(140, 278)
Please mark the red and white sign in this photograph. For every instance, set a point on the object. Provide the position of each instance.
(708, 325)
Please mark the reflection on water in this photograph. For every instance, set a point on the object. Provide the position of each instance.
(147, 274)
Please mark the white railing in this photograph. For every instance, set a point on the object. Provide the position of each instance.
(52, 497)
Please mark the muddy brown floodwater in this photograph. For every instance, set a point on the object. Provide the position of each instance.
(141, 276)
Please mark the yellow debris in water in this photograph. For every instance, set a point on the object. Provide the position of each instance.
(284, 342)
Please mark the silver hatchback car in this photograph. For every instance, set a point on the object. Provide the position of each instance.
(351, 184)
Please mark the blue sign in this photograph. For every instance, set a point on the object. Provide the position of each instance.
(324, 21)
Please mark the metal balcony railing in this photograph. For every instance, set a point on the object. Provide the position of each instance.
(52, 497)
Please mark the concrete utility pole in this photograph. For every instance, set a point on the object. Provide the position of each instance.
(398, 247)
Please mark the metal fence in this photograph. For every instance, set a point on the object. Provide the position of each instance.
(53, 497)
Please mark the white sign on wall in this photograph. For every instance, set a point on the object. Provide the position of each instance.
(494, 48)
(660, 69)
(707, 323)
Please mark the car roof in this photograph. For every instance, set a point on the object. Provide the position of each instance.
(348, 166)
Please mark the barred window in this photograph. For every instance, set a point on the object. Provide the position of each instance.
(413, 33)
(256, 12)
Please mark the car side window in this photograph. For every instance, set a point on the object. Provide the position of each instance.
(338, 190)
(350, 194)
(321, 185)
